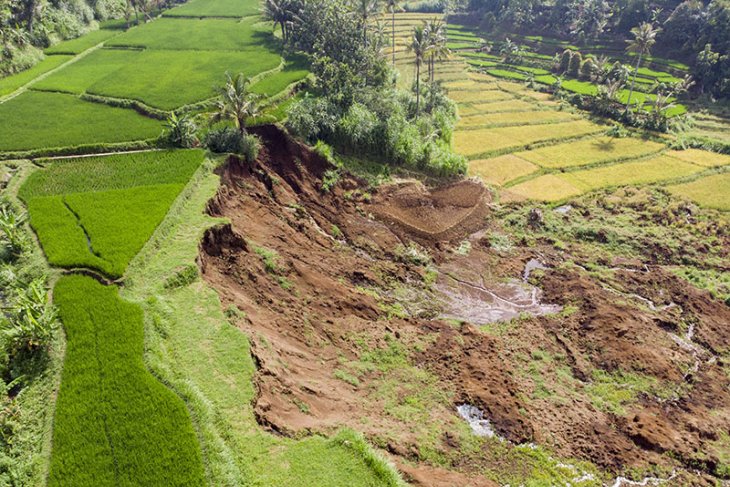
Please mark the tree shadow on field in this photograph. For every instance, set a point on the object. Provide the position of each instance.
(605, 145)
(269, 41)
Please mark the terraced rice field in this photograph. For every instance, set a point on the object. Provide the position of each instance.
(100, 222)
(197, 42)
(25, 122)
(115, 423)
(502, 121)
(712, 191)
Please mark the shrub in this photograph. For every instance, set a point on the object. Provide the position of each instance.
(575, 61)
(183, 277)
(31, 322)
(11, 225)
(181, 131)
(588, 69)
(229, 139)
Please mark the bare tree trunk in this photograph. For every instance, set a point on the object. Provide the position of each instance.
(633, 80)
(392, 26)
(31, 16)
(418, 86)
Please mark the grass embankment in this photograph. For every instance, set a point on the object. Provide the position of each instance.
(187, 327)
(26, 123)
(98, 212)
(115, 424)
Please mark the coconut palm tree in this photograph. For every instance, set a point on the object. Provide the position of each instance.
(365, 10)
(644, 38)
(280, 13)
(436, 38)
(236, 102)
(392, 6)
(418, 46)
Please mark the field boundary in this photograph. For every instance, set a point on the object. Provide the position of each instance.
(43, 76)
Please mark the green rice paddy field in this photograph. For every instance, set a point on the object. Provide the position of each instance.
(532, 147)
(194, 42)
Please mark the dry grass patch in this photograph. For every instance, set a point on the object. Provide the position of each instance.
(514, 105)
(482, 141)
(482, 77)
(591, 151)
(711, 191)
(467, 85)
(545, 188)
(500, 170)
(516, 118)
(540, 96)
(479, 96)
(701, 157)
(661, 168)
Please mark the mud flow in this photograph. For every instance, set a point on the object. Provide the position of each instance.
(400, 312)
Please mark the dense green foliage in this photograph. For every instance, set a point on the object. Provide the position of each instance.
(115, 423)
(26, 123)
(98, 212)
(355, 106)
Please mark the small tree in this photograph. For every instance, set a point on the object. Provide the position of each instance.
(181, 131)
(32, 320)
(575, 61)
(235, 102)
(418, 46)
(644, 38)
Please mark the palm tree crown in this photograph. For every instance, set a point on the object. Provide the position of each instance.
(236, 102)
(418, 46)
(644, 38)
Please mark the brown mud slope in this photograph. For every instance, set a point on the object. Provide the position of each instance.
(342, 311)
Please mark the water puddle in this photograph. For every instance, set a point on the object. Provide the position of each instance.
(532, 264)
(647, 481)
(478, 423)
(482, 303)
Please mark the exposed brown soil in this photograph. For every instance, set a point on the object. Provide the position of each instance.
(327, 299)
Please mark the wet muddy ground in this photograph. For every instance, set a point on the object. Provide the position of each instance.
(416, 316)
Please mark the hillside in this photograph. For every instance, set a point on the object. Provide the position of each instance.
(325, 244)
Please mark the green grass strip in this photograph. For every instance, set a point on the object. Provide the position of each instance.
(115, 424)
(11, 83)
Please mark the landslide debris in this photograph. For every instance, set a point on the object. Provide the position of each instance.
(383, 309)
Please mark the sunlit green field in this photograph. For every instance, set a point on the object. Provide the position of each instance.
(200, 34)
(215, 8)
(98, 212)
(26, 122)
(115, 423)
